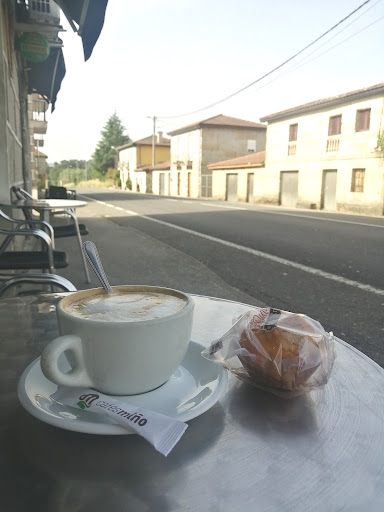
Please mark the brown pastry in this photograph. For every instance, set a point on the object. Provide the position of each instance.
(284, 350)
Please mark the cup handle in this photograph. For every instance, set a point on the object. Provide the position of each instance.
(78, 376)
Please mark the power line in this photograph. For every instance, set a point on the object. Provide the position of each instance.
(339, 32)
(269, 72)
(304, 61)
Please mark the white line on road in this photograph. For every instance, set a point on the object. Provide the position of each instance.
(313, 217)
(222, 206)
(254, 252)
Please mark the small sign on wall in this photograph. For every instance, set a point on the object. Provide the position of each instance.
(34, 47)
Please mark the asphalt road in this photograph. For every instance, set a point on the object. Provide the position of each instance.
(326, 265)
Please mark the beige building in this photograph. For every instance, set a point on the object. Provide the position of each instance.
(195, 146)
(135, 162)
(161, 179)
(326, 154)
(233, 180)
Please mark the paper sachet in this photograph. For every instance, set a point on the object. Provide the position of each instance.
(159, 430)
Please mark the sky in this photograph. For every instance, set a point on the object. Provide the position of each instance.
(167, 58)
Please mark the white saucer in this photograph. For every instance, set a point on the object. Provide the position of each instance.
(192, 389)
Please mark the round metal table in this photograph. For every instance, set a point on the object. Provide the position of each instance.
(323, 451)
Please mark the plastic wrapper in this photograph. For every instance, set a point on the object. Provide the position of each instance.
(285, 353)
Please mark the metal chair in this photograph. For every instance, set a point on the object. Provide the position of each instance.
(54, 192)
(27, 224)
(45, 259)
(43, 279)
(59, 231)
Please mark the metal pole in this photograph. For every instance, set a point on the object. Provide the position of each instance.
(154, 142)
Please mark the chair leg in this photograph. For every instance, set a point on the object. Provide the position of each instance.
(76, 223)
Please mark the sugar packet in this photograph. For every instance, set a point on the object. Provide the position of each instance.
(159, 430)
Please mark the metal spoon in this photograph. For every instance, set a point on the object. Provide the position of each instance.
(90, 251)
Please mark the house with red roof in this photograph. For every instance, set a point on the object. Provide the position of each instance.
(135, 161)
(195, 146)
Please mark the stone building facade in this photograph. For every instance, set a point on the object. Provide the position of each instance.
(326, 154)
(195, 146)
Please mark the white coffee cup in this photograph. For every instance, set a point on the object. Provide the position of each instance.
(120, 356)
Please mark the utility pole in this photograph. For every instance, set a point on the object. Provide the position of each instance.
(153, 139)
(154, 142)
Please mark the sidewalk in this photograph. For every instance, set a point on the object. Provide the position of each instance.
(132, 257)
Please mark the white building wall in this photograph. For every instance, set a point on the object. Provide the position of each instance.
(356, 150)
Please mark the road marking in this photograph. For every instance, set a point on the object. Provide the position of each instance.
(260, 210)
(254, 252)
(320, 218)
(222, 206)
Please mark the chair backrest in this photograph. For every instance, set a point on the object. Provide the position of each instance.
(22, 195)
(41, 279)
(55, 192)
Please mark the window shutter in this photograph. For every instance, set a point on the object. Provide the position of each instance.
(334, 125)
(363, 119)
(293, 128)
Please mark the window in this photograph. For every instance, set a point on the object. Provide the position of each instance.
(41, 5)
(358, 176)
(293, 132)
(363, 118)
(251, 146)
(334, 127)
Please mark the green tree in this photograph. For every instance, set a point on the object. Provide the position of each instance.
(67, 171)
(112, 136)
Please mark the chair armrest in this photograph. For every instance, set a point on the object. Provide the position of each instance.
(38, 233)
(25, 222)
(19, 223)
(29, 232)
(43, 223)
(53, 279)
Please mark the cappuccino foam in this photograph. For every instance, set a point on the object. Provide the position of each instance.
(128, 307)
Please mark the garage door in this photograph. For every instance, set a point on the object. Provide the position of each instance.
(289, 188)
(231, 187)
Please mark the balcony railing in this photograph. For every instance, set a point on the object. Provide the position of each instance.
(38, 126)
(333, 144)
(292, 148)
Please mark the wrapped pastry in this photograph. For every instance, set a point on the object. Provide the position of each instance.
(283, 352)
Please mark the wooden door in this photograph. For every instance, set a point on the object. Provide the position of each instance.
(250, 184)
(329, 189)
(231, 187)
